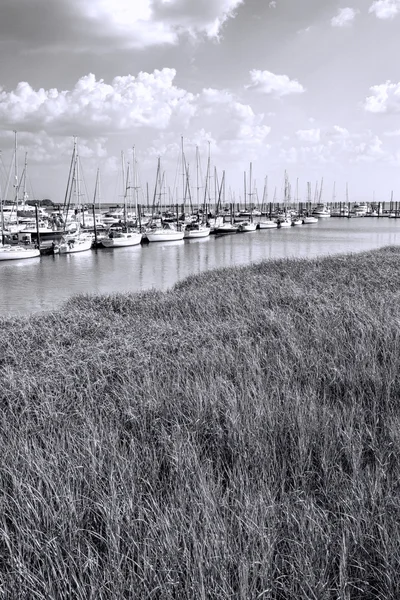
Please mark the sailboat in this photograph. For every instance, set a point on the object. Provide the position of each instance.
(196, 228)
(266, 223)
(125, 236)
(78, 241)
(168, 231)
(7, 251)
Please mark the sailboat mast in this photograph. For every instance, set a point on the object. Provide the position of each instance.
(135, 186)
(16, 183)
(197, 178)
(123, 182)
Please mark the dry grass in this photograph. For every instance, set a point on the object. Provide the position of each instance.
(236, 437)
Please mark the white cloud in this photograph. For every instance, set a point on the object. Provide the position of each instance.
(153, 22)
(395, 133)
(309, 135)
(272, 4)
(344, 18)
(385, 9)
(128, 102)
(385, 98)
(336, 145)
(277, 85)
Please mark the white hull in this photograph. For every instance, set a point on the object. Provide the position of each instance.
(73, 246)
(196, 233)
(225, 229)
(17, 252)
(297, 222)
(267, 225)
(247, 227)
(164, 235)
(285, 224)
(308, 220)
(129, 239)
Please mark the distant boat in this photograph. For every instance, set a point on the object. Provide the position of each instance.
(120, 239)
(18, 252)
(321, 211)
(166, 233)
(226, 228)
(71, 244)
(309, 219)
(246, 226)
(267, 224)
(9, 252)
(79, 241)
(196, 230)
(124, 236)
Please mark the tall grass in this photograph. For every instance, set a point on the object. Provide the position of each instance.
(235, 437)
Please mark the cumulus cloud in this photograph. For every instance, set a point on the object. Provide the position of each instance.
(385, 9)
(277, 85)
(106, 25)
(336, 145)
(309, 135)
(344, 18)
(231, 129)
(385, 98)
(128, 102)
(395, 133)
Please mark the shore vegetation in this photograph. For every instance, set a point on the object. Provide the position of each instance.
(237, 436)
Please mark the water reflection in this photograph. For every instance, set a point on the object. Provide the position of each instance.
(29, 286)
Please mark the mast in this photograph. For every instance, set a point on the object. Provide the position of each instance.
(183, 175)
(123, 183)
(197, 178)
(16, 183)
(78, 189)
(135, 182)
(96, 186)
(25, 195)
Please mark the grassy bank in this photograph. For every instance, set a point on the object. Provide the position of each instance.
(236, 437)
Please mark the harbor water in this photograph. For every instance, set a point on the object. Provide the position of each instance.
(45, 283)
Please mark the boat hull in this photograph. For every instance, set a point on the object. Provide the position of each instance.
(18, 253)
(267, 225)
(121, 242)
(73, 246)
(196, 233)
(164, 236)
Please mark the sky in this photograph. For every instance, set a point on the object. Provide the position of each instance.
(252, 88)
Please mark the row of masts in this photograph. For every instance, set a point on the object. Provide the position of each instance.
(162, 197)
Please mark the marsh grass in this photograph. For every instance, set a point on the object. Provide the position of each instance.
(235, 437)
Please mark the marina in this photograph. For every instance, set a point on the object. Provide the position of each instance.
(46, 282)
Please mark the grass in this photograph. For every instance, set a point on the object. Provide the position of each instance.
(235, 437)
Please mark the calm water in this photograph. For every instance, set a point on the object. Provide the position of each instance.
(41, 284)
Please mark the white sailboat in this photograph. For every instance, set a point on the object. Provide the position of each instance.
(11, 252)
(78, 241)
(125, 236)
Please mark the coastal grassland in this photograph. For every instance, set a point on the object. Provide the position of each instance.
(235, 437)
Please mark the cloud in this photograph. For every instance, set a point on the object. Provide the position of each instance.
(385, 9)
(335, 145)
(106, 25)
(272, 4)
(309, 135)
(93, 106)
(385, 98)
(277, 85)
(344, 18)
(395, 133)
